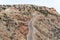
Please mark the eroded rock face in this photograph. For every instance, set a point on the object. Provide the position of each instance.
(29, 22)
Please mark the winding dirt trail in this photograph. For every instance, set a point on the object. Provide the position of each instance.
(32, 30)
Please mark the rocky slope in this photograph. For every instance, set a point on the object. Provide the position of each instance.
(29, 22)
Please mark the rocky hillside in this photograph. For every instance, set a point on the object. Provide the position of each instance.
(29, 22)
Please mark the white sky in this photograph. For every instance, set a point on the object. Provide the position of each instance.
(48, 3)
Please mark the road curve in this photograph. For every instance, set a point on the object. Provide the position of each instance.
(29, 37)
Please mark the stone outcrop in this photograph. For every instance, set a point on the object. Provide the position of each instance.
(29, 22)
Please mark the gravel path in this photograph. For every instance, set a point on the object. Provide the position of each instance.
(30, 31)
